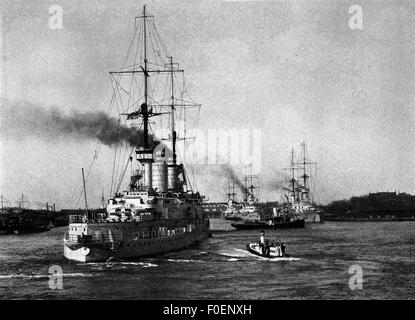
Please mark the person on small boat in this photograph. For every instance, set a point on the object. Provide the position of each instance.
(282, 249)
(267, 248)
(277, 249)
(262, 242)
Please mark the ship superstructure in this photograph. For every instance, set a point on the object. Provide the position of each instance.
(247, 209)
(159, 211)
(232, 206)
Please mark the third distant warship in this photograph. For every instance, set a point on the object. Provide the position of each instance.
(298, 194)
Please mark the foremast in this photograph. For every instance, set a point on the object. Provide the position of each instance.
(250, 184)
(305, 165)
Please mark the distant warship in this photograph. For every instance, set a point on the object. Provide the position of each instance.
(248, 209)
(298, 194)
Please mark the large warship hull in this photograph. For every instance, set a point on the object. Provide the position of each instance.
(125, 240)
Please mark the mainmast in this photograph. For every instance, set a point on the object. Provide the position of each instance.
(173, 130)
(144, 106)
(292, 176)
(231, 190)
(249, 188)
(304, 163)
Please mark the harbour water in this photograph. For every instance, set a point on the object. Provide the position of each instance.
(221, 268)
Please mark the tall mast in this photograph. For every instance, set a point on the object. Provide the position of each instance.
(304, 162)
(103, 199)
(231, 189)
(292, 176)
(145, 55)
(22, 202)
(144, 107)
(292, 171)
(173, 130)
(145, 111)
(246, 186)
(304, 165)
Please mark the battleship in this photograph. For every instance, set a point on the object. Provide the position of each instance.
(254, 215)
(298, 194)
(159, 211)
(248, 209)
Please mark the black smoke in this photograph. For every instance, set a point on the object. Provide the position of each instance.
(229, 171)
(22, 120)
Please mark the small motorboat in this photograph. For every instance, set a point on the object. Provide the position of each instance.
(256, 249)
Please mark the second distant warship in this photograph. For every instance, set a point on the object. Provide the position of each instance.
(248, 209)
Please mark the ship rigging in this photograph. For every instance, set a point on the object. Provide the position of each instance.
(160, 210)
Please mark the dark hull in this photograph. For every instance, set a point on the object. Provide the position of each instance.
(25, 229)
(263, 225)
(21, 221)
(233, 218)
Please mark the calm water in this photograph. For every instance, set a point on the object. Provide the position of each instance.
(220, 268)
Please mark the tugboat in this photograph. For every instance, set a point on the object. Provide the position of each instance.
(159, 212)
(278, 222)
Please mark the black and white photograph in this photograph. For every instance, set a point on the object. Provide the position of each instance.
(207, 150)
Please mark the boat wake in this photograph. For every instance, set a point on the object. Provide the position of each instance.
(42, 276)
(233, 259)
(186, 260)
(277, 259)
(120, 264)
(235, 254)
(141, 264)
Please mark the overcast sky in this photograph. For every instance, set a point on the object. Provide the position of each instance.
(293, 69)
